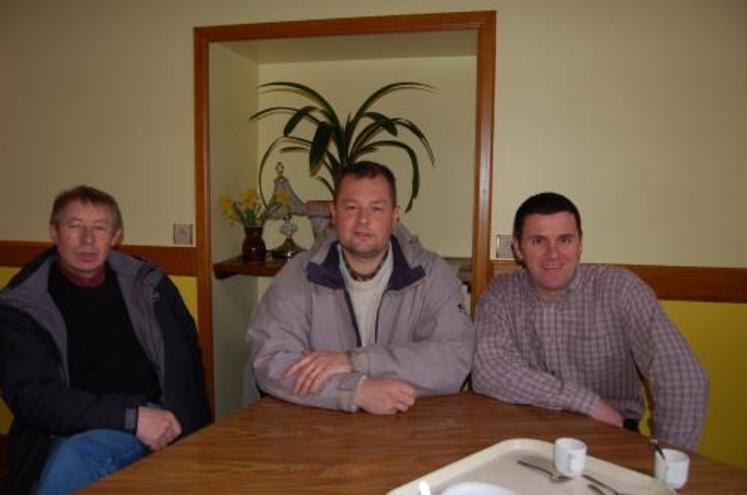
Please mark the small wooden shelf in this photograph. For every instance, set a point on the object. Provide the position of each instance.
(237, 266)
(270, 267)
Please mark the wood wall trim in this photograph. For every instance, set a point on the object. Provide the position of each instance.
(481, 21)
(348, 26)
(175, 260)
(202, 207)
(483, 180)
(680, 283)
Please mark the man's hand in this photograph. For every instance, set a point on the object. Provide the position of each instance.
(156, 428)
(606, 414)
(384, 396)
(313, 369)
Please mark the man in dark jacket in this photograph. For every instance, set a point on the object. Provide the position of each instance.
(99, 360)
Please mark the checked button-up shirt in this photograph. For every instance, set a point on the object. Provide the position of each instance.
(596, 342)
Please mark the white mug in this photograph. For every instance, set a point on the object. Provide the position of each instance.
(569, 456)
(672, 469)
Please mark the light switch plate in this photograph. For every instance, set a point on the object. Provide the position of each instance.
(503, 247)
(183, 234)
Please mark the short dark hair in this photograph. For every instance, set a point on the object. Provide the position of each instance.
(367, 170)
(86, 194)
(545, 203)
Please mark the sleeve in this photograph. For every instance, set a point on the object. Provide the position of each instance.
(34, 388)
(278, 336)
(501, 371)
(439, 357)
(185, 391)
(678, 384)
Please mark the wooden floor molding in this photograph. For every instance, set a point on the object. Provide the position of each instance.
(175, 260)
(679, 283)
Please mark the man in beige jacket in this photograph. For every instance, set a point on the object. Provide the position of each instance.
(365, 319)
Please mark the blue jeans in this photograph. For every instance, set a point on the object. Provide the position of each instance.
(81, 459)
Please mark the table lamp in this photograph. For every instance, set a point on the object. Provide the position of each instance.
(284, 209)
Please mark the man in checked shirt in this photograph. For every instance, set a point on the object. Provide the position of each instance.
(562, 335)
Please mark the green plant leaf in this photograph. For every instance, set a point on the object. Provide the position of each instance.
(239, 213)
(379, 93)
(386, 123)
(319, 145)
(309, 93)
(292, 149)
(301, 113)
(419, 134)
(266, 111)
(363, 137)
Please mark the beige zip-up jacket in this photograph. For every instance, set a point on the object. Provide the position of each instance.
(423, 334)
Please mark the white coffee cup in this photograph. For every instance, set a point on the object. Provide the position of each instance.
(672, 469)
(569, 456)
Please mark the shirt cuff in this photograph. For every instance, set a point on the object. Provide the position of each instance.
(131, 416)
(581, 400)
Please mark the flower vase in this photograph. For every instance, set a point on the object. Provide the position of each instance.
(253, 248)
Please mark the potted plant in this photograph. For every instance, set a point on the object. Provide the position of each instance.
(247, 210)
(337, 144)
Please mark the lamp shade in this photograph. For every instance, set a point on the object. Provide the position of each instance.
(277, 210)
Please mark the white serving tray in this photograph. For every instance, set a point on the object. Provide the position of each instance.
(497, 465)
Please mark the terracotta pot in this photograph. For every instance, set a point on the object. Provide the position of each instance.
(253, 248)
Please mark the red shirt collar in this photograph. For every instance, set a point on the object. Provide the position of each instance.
(76, 279)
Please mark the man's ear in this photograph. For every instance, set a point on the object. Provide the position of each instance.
(117, 238)
(396, 214)
(332, 212)
(53, 233)
(516, 250)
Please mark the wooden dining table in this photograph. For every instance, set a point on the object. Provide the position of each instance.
(277, 447)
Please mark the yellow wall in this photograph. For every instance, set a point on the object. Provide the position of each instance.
(717, 334)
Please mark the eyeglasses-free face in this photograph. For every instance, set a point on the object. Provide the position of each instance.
(364, 217)
(84, 236)
(550, 247)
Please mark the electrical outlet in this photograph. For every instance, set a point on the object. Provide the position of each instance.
(503, 246)
(183, 234)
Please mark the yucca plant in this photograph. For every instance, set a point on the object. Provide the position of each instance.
(335, 145)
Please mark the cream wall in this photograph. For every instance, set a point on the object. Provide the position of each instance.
(638, 111)
(232, 148)
(628, 107)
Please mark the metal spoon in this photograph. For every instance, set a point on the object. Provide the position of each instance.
(554, 477)
(655, 443)
(602, 484)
